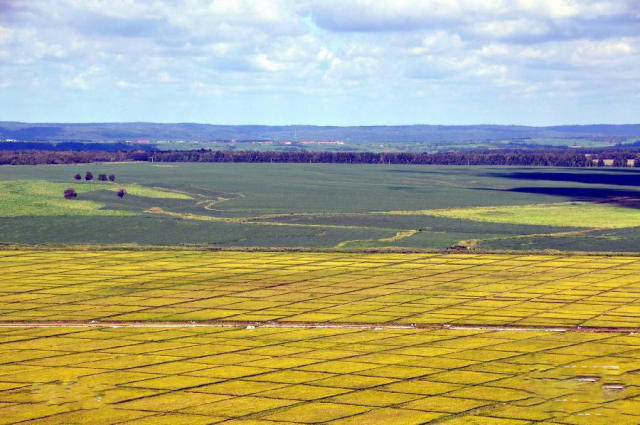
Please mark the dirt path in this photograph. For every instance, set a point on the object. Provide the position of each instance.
(399, 235)
(476, 243)
(309, 325)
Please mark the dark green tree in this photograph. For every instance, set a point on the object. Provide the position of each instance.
(70, 193)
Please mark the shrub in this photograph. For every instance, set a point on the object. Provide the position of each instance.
(88, 176)
(121, 193)
(102, 177)
(70, 193)
(77, 176)
(112, 178)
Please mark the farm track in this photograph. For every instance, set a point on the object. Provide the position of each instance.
(306, 325)
(400, 233)
(243, 220)
(477, 243)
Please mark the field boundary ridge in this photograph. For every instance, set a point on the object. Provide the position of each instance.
(311, 325)
(381, 250)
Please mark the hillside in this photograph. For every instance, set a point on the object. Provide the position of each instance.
(404, 133)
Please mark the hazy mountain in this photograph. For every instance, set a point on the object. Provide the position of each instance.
(205, 132)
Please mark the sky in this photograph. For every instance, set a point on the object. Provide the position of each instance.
(324, 62)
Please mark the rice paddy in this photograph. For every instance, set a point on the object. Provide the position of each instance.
(339, 376)
(437, 288)
(202, 337)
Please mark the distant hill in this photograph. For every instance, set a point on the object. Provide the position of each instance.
(110, 132)
(75, 146)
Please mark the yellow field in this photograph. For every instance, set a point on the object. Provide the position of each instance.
(534, 290)
(338, 376)
(107, 360)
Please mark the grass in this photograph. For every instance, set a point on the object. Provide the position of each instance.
(143, 229)
(566, 214)
(307, 188)
(38, 198)
(41, 198)
(323, 205)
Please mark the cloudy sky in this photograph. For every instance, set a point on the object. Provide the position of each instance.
(335, 62)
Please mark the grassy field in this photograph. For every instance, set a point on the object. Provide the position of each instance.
(577, 214)
(33, 198)
(324, 206)
(117, 337)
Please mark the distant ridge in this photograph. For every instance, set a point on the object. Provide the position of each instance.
(134, 131)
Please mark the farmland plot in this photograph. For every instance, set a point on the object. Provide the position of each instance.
(187, 285)
(197, 337)
(324, 205)
(274, 376)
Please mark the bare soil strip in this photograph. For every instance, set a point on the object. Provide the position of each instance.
(308, 325)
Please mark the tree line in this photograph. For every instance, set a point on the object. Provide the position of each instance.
(548, 157)
(88, 176)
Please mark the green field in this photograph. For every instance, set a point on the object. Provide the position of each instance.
(324, 206)
(578, 214)
(29, 198)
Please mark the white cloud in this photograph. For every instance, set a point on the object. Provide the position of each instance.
(263, 63)
(324, 49)
(5, 34)
(78, 81)
(84, 80)
(517, 19)
(511, 28)
(164, 77)
(123, 84)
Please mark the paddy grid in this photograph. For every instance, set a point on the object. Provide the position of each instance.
(279, 376)
(519, 290)
(153, 337)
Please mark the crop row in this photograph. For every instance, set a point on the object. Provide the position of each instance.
(543, 290)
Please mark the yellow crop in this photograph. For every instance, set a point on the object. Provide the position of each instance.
(151, 357)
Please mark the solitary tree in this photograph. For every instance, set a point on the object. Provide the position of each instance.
(102, 177)
(112, 178)
(88, 176)
(77, 176)
(70, 193)
(121, 193)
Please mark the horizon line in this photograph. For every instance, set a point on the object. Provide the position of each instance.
(313, 125)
